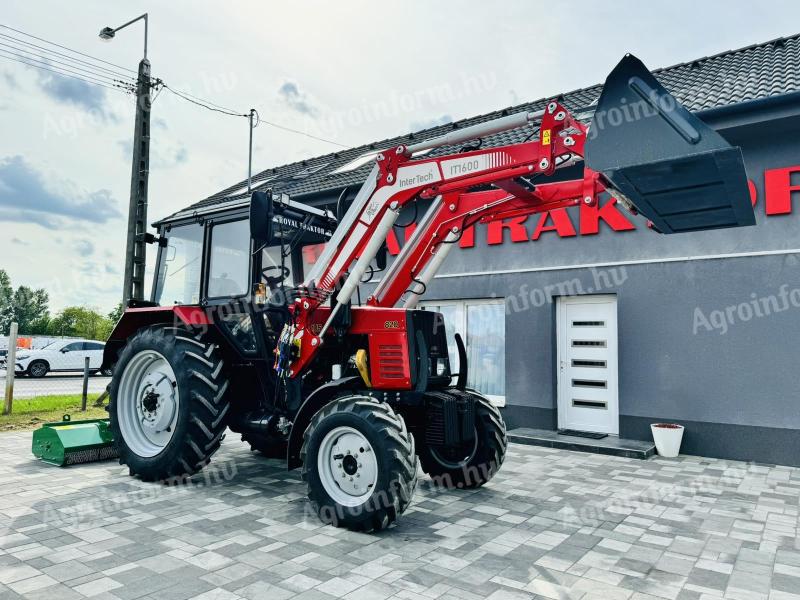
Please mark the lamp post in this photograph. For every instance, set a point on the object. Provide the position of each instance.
(135, 251)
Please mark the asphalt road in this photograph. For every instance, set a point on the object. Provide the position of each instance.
(67, 383)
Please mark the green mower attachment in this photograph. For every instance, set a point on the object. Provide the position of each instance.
(70, 442)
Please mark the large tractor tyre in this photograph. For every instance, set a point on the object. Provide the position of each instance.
(167, 403)
(38, 368)
(359, 464)
(475, 463)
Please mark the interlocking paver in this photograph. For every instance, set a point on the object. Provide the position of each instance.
(552, 524)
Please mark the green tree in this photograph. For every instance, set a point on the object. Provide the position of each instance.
(116, 314)
(79, 321)
(6, 297)
(29, 307)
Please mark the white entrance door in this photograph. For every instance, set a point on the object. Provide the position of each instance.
(588, 390)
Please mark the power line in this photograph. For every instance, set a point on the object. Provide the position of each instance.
(185, 93)
(297, 131)
(205, 104)
(61, 54)
(89, 80)
(69, 67)
(68, 49)
(93, 76)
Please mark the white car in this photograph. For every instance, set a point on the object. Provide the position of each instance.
(61, 355)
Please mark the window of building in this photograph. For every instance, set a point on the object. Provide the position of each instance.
(179, 267)
(357, 162)
(309, 171)
(360, 161)
(230, 259)
(482, 325)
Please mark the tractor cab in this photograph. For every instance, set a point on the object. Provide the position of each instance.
(211, 258)
(215, 260)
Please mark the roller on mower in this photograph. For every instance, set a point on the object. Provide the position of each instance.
(272, 335)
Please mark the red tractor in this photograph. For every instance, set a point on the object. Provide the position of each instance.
(241, 335)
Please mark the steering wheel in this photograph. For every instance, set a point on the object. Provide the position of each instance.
(274, 280)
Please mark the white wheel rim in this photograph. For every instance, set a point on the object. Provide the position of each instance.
(347, 466)
(147, 403)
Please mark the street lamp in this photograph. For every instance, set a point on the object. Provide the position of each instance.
(135, 250)
(108, 33)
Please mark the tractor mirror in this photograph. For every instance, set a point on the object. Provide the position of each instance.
(261, 214)
(381, 257)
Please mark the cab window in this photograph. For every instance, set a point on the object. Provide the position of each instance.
(273, 266)
(229, 266)
(179, 267)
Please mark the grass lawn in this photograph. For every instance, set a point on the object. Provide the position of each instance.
(29, 413)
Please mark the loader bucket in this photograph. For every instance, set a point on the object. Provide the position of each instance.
(72, 442)
(673, 168)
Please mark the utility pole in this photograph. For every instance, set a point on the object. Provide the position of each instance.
(250, 154)
(136, 249)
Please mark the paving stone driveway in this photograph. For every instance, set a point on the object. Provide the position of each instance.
(552, 524)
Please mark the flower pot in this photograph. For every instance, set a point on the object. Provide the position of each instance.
(667, 437)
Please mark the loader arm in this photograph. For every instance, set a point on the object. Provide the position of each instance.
(453, 213)
(397, 180)
(649, 152)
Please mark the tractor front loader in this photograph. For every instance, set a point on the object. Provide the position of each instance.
(253, 328)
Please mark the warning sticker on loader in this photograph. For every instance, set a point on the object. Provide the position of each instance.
(545, 137)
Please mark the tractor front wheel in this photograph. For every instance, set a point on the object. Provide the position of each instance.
(168, 403)
(476, 462)
(359, 463)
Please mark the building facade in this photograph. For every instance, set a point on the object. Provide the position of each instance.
(586, 319)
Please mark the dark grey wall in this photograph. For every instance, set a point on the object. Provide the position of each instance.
(737, 391)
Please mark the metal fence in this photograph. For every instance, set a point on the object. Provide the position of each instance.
(63, 377)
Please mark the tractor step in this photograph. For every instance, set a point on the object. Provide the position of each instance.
(70, 442)
(673, 168)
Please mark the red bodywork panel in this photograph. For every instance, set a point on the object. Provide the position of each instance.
(136, 318)
(387, 332)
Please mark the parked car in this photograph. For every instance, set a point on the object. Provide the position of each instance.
(61, 355)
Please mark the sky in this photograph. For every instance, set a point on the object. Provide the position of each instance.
(349, 72)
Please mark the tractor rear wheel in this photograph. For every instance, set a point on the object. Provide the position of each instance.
(359, 463)
(477, 462)
(168, 403)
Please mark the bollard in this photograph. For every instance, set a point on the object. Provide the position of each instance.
(85, 383)
(11, 363)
